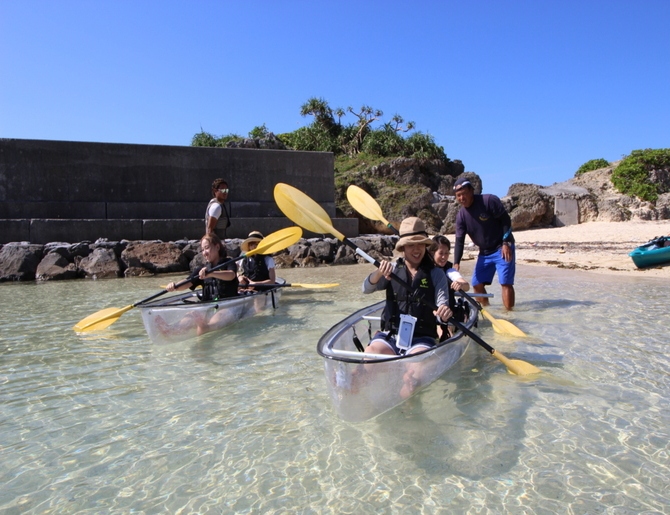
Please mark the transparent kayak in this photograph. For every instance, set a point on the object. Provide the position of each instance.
(184, 316)
(362, 386)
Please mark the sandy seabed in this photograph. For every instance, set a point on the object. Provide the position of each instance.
(600, 247)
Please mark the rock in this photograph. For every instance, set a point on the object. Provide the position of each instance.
(284, 261)
(100, 264)
(137, 271)
(299, 251)
(81, 249)
(663, 206)
(528, 206)
(232, 248)
(197, 263)
(56, 267)
(156, 257)
(324, 250)
(117, 246)
(344, 256)
(19, 261)
(447, 211)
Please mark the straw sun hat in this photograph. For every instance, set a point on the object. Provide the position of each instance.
(254, 236)
(412, 231)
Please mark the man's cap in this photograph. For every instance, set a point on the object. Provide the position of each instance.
(461, 182)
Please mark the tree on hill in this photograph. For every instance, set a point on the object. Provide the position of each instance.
(326, 134)
(644, 174)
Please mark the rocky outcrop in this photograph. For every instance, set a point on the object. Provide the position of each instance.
(528, 206)
(598, 199)
(402, 188)
(104, 259)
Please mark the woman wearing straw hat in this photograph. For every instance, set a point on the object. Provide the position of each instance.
(418, 269)
(257, 269)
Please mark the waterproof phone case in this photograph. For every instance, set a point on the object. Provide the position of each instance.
(405, 332)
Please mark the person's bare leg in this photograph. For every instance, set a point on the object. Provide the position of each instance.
(508, 295)
(480, 288)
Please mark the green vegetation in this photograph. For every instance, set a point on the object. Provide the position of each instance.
(593, 164)
(205, 139)
(327, 133)
(633, 176)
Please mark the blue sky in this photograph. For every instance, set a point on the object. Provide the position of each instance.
(520, 91)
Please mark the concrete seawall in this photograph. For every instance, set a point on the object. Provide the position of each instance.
(75, 191)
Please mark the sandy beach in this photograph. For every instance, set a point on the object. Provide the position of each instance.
(600, 247)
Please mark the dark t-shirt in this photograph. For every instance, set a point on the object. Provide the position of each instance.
(486, 222)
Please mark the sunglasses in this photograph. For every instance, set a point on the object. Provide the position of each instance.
(225, 190)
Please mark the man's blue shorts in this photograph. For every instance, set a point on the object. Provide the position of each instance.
(487, 266)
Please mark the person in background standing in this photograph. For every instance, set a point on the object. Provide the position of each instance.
(485, 220)
(217, 216)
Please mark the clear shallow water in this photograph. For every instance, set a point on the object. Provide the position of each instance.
(242, 423)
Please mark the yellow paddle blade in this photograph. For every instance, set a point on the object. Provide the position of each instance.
(502, 326)
(277, 241)
(302, 210)
(363, 202)
(100, 320)
(516, 366)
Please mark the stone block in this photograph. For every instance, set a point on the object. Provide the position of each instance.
(14, 230)
(72, 231)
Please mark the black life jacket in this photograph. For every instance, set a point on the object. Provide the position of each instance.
(215, 289)
(255, 268)
(400, 301)
(457, 307)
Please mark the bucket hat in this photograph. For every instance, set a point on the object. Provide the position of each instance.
(412, 231)
(254, 236)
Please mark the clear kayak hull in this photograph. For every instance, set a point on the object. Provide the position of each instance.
(182, 317)
(361, 389)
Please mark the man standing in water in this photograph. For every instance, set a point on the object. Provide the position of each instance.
(485, 220)
(217, 216)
